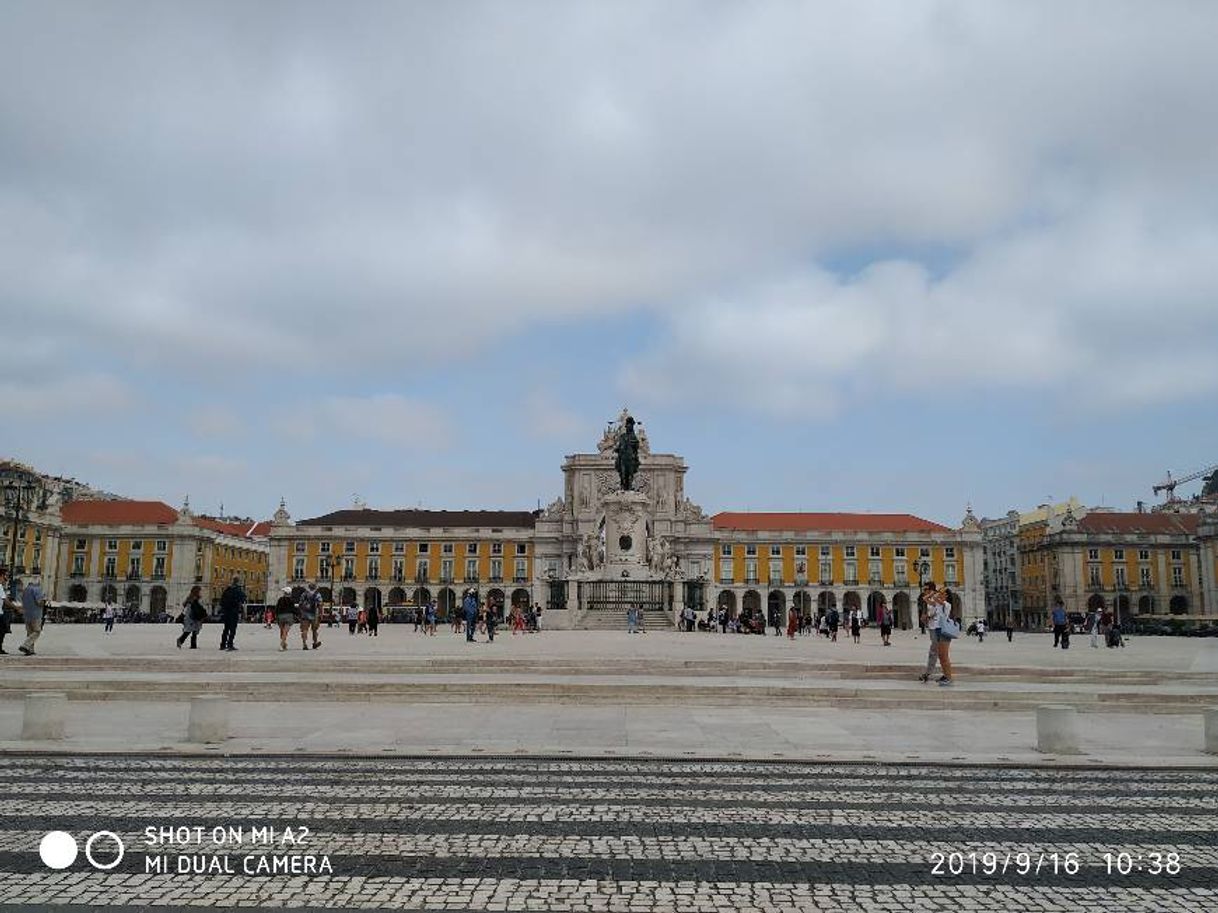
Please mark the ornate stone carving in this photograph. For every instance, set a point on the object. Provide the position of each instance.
(554, 510)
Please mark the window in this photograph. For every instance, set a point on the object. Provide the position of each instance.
(1177, 575)
(81, 545)
(522, 548)
(1145, 577)
(1119, 570)
(725, 551)
(1118, 554)
(949, 572)
(298, 569)
(949, 552)
(399, 569)
(923, 552)
(899, 551)
(111, 567)
(325, 548)
(1093, 554)
(874, 552)
(775, 571)
(349, 547)
(348, 569)
(1175, 554)
(852, 572)
(446, 569)
(1094, 572)
(162, 545)
(826, 572)
(898, 572)
(521, 569)
(137, 545)
(750, 551)
(134, 566)
(78, 564)
(158, 566)
(424, 548)
(424, 571)
(801, 551)
(850, 551)
(775, 551)
(726, 575)
(374, 547)
(1143, 554)
(497, 569)
(801, 570)
(374, 568)
(496, 548)
(399, 548)
(471, 548)
(446, 548)
(750, 570)
(300, 548)
(471, 568)
(873, 571)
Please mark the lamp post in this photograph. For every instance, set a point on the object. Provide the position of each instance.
(24, 491)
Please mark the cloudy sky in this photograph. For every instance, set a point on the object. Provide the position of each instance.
(874, 256)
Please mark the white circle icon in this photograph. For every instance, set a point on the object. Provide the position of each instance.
(58, 850)
(104, 866)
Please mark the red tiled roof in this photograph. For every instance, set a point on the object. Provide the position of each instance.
(847, 523)
(424, 518)
(1164, 524)
(117, 513)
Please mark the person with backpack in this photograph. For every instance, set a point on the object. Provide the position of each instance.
(193, 616)
(232, 601)
(308, 611)
(835, 621)
(285, 615)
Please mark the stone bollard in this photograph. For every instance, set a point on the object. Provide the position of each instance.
(1057, 729)
(208, 719)
(1210, 715)
(44, 716)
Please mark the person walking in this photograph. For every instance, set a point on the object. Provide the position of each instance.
(1060, 636)
(942, 606)
(792, 623)
(1093, 625)
(886, 626)
(980, 630)
(285, 615)
(373, 619)
(856, 624)
(429, 617)
(193, 616)
(834, 622)
(108, 618)
(687, 616)
(470, 605)
(632, 620)
(308, 611)
(32, 603)
(6, 609)
(352, 613)
(928, 622)
(232, 601)
(491, 620)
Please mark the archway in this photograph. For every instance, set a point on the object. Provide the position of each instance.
(1096, 603)
(727, 600)
(851, 601)
(78, 592)
(347, 595)
(802, 602)
(825, 600)
(372, 598)
(900, 609)
(520, 597)
(751, 603)
(157, 599)
(776, 607)
(495, 601)
(325, 593)
(132, 597)
(1122, 608)
(875, 605)
(445, 603)
(109, 593)
(422, 596)
(1178, 605)
(397, 596)
(1146, 605)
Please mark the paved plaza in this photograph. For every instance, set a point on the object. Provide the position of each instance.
(592, 835)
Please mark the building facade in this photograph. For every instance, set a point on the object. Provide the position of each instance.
(1000, 569)
(405, 558)
(1134, 564)
(146, 556)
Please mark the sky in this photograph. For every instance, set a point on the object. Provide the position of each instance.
(901, 257)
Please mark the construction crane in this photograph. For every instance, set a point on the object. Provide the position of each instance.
(1169, 484)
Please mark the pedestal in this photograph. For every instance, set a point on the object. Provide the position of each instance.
(625, 535)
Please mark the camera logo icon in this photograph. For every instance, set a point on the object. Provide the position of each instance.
(59, 849)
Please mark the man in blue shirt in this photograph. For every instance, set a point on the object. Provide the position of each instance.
(470, 606)
(1061, 632)
(31, 609)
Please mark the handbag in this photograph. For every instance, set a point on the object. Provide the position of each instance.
(949, 628)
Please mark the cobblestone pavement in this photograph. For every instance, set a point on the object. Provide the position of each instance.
(621, 836)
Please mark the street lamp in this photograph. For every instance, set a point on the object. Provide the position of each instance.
(24, 491)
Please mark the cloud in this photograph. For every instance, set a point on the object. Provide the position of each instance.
(215, 421)
(40, 399)
(388, 418)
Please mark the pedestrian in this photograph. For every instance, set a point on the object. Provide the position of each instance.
(1093, 625)
(232, 601)
(32, 603)
(938, 615)
(928, 623)
(108, 617)
(193, 616)
(1010, 631)
(491, 621)
(886, 626)
(285, 615)
(537, 618)
(1061, 636)
(470, 607)
(7, 607)
(834, 621)
(372, 619)
(792, 623)
(687, 615)
(632, 620)
(723, 619)
(308, 610)
(430, 618)
(980, 630)
(352, 613)
(856, 623)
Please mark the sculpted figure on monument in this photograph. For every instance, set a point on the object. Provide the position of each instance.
(627, 460)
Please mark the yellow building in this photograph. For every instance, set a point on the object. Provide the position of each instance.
(768, 562)
(145, 555)
(392, 558)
